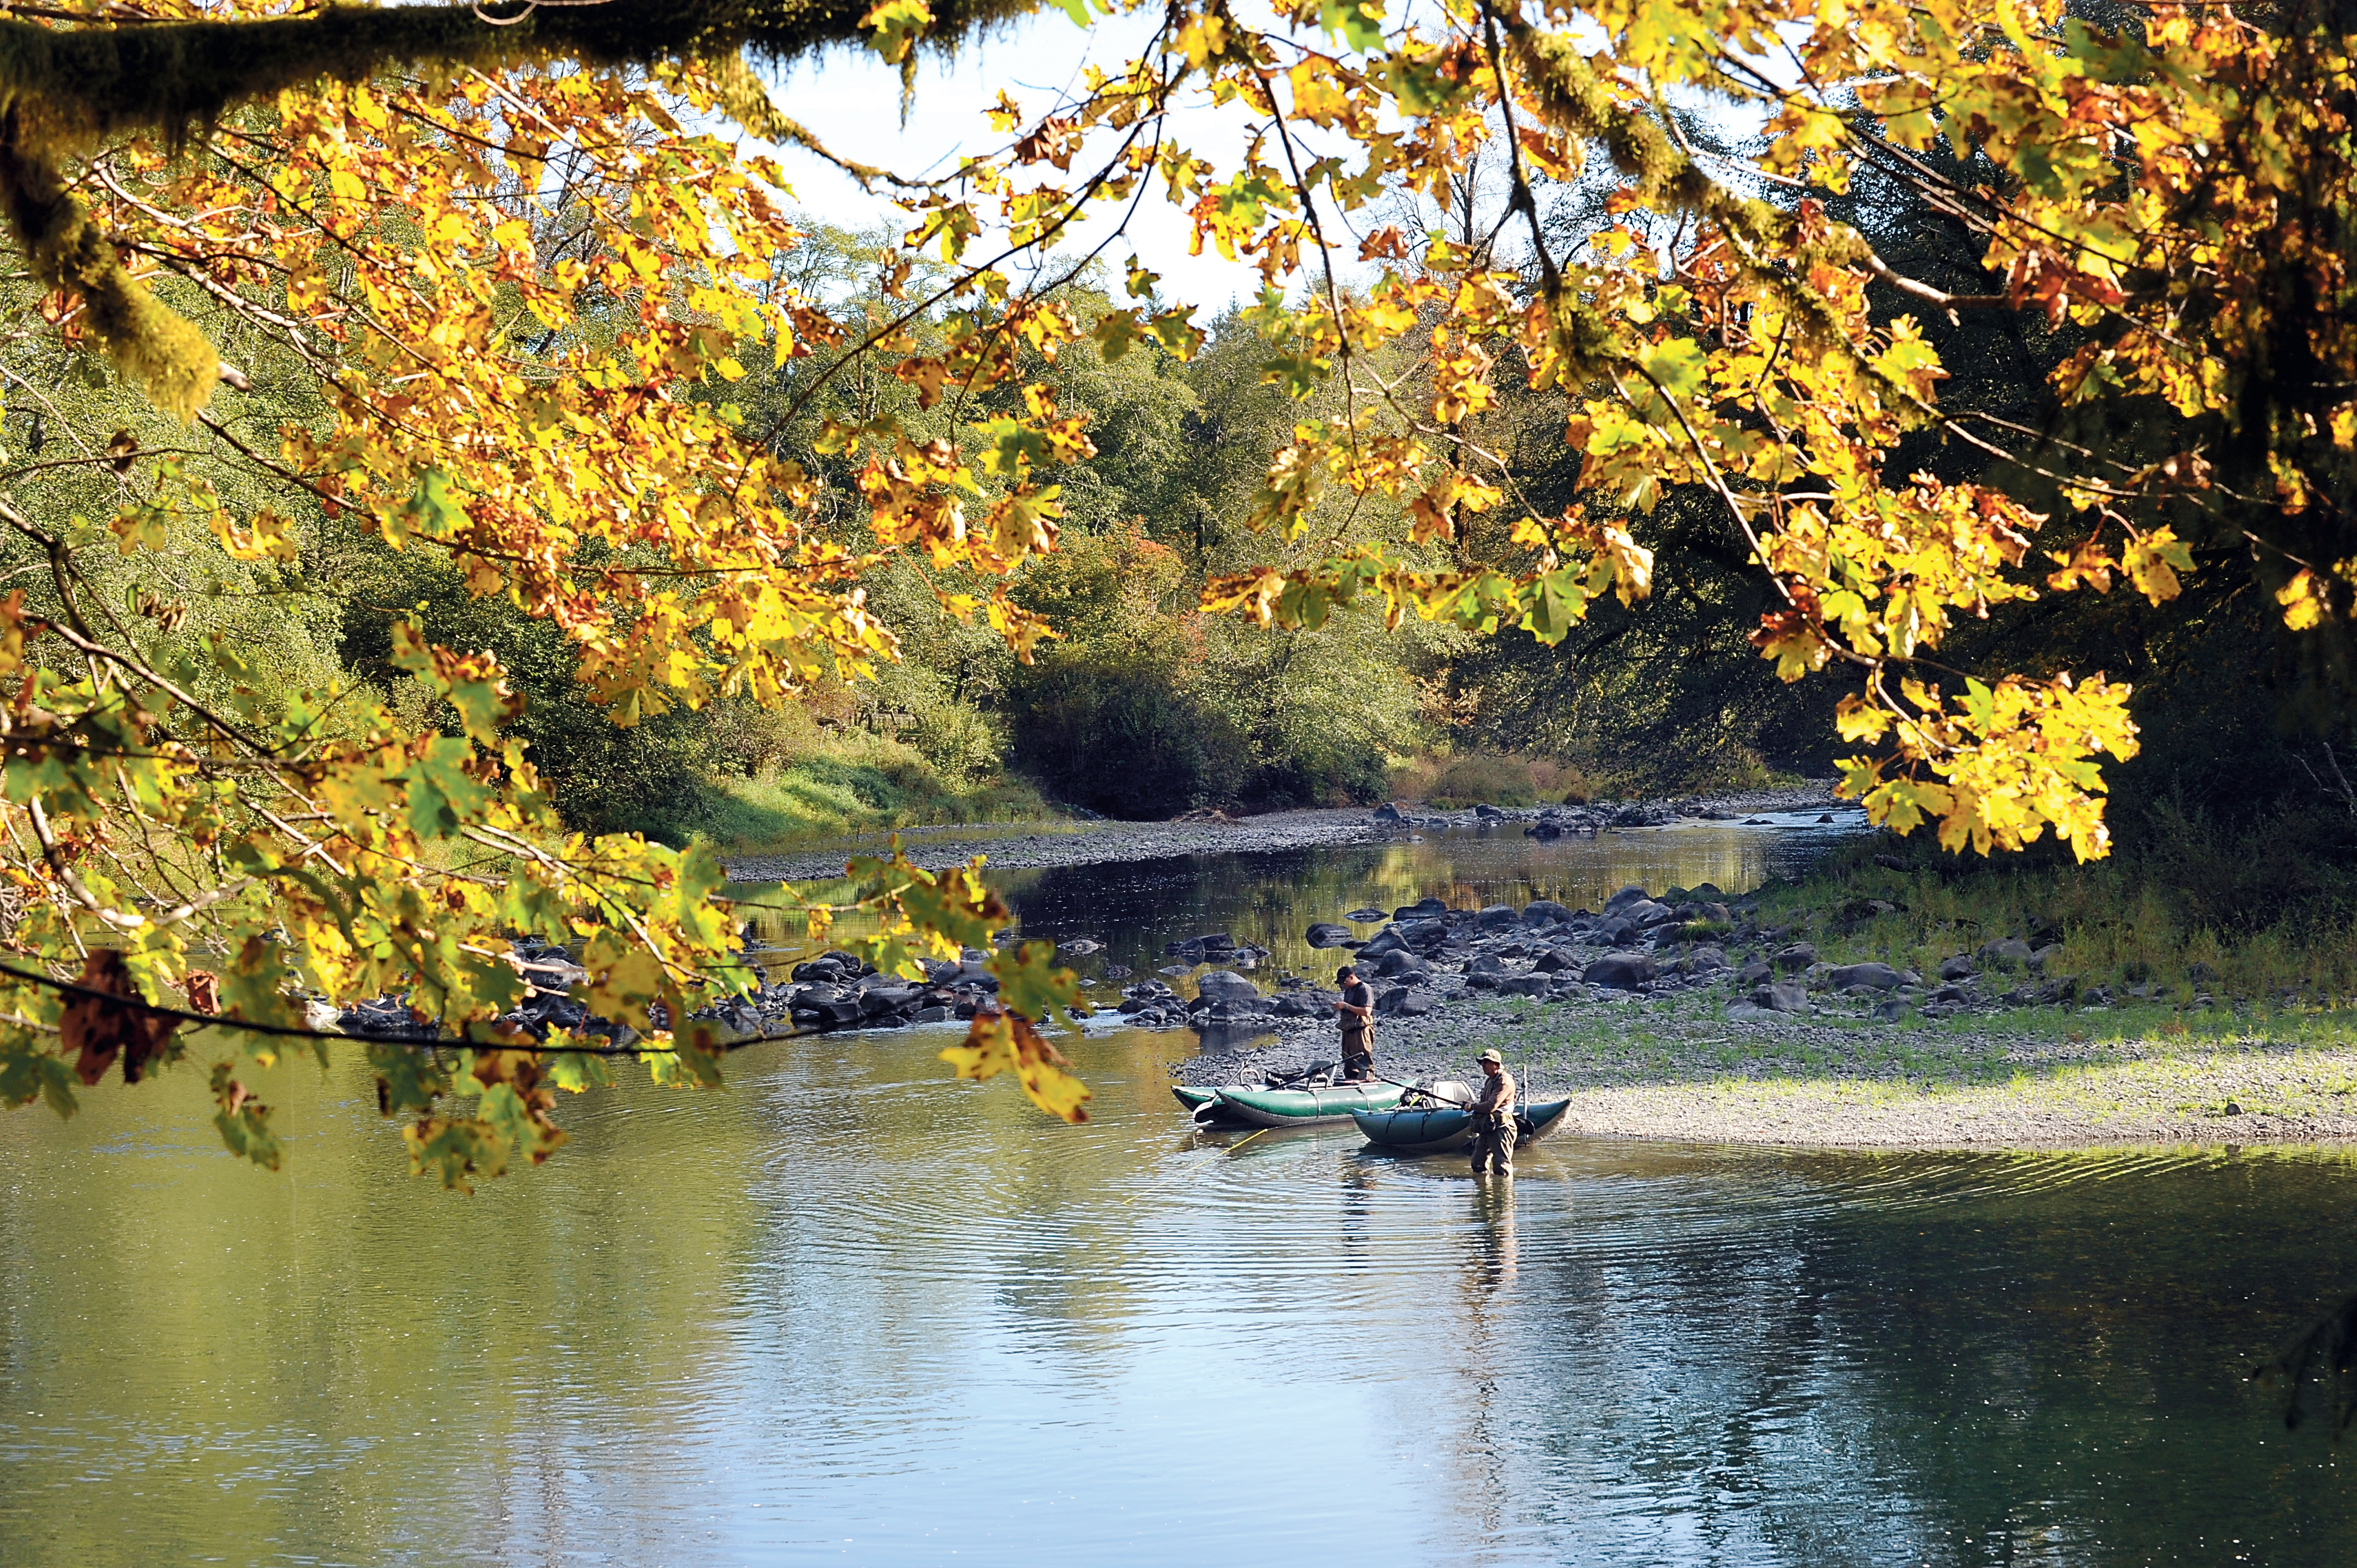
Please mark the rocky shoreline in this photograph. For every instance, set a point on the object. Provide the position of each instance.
(1024, 846)
(1680, 1017)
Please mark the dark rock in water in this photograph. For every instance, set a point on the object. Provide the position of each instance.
(1544, 911)
(1797, 957)
(1079, 947)
(1117, 971)
(1827, 817)
(1225, 986)
(1756, 823)
(935, 1014)
(1424, 935)
(820, 970)
(1388, 812)
(1789, 997)
(888, 999)
(830, 1013)
(1366, 916)
(1403, 1003)
(1174, 970)
(1523, 986)
(1621, 971)
(1325, 934)
(1546, 830)
(1880, 976)
(1498, 916)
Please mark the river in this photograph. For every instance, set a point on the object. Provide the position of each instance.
(852, 1310)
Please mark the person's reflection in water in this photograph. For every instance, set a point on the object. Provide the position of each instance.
(1495, 1251)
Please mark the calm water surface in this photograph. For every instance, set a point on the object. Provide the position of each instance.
(851, 1310)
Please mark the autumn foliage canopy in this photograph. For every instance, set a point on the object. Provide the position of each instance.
(519, 258)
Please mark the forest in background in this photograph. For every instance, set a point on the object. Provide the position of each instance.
(1144, 705)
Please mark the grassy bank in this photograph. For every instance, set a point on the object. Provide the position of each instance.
(864, 786)
(2261, 914)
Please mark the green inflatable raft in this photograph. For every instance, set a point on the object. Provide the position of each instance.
(1445, 1130)
(1249, 1105)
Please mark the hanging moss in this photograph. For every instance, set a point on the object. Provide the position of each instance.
(153, 347)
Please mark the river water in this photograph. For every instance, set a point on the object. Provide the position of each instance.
(851, 1310)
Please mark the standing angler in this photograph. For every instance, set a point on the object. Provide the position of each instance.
(1493, 1119)
(1356, 1012)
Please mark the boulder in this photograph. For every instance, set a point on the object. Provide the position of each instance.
(1422, 909)
(1386, 940)
(1620, 971)
(2006, 950)
(1554, 960)
(1545, 912)
(1960, 967)
(1646, 912)
(1225, 986)
(1703, 961)
(1424, 935)
(2038, 960)
(1403, 1002)
(1485, 963)
(1799, 956)
(1880, 976)
(1498, 916)
(1755, 972)
(1523, 986)
(1401, 961)
(1615, 932)
(1325, 934)
(1388, 812)
(1632, 894)
(935, 1014)
(1785, 997)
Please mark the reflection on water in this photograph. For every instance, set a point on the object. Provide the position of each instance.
(1270, 897)
(852, 1309)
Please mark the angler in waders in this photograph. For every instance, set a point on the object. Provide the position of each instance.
(1494, 1131)
(1356, 1011)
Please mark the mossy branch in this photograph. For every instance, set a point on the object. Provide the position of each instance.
(61, 89)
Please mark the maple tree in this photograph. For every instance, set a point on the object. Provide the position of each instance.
(523, 279)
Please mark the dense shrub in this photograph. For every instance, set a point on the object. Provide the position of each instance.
(1130, 740)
